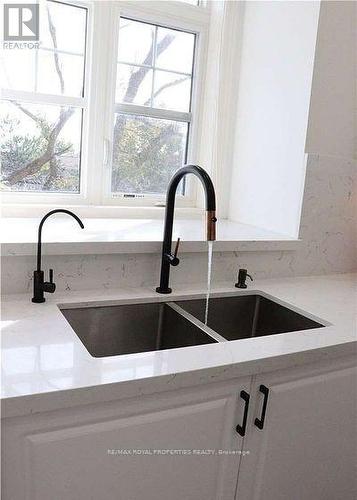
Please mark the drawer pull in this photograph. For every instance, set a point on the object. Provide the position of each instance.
(259, 422)
(241, 428)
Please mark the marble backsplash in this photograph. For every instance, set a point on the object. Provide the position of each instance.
(328, 232)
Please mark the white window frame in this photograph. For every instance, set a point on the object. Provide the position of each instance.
(37, 197)
(168, 14)
(98, 102)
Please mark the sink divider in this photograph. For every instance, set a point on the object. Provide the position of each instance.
(211, 333)
(160, 325)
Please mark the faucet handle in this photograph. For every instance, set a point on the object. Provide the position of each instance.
(177, 247)
(172, 258)
(49, 286)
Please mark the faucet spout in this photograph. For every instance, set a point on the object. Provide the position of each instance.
(39, 239)
(39, 284)
(210, 198)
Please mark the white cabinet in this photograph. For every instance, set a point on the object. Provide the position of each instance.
(307, 448)
(183, 444)
(158, 449)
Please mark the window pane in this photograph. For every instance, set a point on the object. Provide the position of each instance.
(172, 91)
(40, 147)
(135, 42)
(72, 70)
(134, 85)
(157, 73)
(178, 56)
(147, 151)
(60, 68)
(17, 69)
(148, 50)
(69, 24)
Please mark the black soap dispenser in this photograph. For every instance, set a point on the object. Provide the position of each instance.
(242, 276)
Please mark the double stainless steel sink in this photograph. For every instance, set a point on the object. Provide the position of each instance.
(110, 330)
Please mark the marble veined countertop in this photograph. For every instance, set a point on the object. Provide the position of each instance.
(45, 366)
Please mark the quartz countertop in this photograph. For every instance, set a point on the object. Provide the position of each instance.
(61, 235)
(46, 367)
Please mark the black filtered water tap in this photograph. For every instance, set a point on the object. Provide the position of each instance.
(39, 284)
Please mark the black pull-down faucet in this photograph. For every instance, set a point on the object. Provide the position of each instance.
(39, 284)
(167, 259)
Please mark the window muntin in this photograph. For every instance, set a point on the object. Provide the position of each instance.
(153, 105)
(42, 133)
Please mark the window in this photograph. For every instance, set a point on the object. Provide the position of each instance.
(42, 114)
(104, 110)
(153, 104)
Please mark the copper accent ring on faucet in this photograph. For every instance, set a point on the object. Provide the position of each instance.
(211, 225)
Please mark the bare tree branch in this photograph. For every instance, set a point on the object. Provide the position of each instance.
(51, 135)
(26, 111)
(137, 78)
(53, 173)
(40, 122)
(34, 166)
(166, 86)
(53, 34)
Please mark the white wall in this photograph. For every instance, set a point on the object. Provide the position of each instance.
(219, 100)
(278, 51)
(332, 121)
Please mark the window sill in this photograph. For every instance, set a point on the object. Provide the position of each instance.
(29, 210)
(108, 236)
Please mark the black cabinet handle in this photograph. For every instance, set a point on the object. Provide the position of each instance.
(241, 428)
(259, 422)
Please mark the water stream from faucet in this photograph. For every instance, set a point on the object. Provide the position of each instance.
(209, 273)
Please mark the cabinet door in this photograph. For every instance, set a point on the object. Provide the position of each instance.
(307, 448)
(165, 453)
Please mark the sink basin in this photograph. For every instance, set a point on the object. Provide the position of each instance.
(247, 316)
(134, 328)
